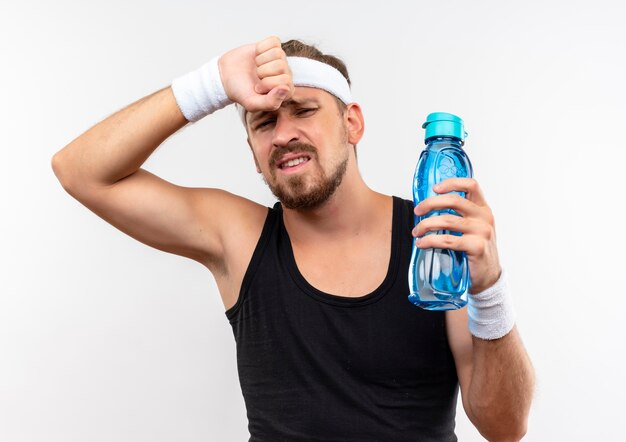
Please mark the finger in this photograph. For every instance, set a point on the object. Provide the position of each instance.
(470, 244)
(269, 83)
(273, 68)
(267, 102)
(470, 186)
(452, 223)
(267, 44)
(461, 205)
(275, 53)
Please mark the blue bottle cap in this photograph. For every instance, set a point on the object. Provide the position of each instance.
(443, 124)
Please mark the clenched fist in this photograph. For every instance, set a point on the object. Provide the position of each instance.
(257, 76)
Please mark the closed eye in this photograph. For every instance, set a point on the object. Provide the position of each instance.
(264, 123)
(302, 112)
(305, 111)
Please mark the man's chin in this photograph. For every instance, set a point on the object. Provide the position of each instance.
(301, 201)
(301, 193)
(302, 204)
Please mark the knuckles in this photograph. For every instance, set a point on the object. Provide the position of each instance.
(480, 248)
(472, 184)
(270, 41)
(457, 199)
(448, 241)
(275, 53)
(278, 52)
(489, 233)
(489, 218)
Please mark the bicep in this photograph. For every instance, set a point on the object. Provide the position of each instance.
(160, 214)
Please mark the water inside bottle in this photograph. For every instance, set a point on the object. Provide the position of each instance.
(439, 278)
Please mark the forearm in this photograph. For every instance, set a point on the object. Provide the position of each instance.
(117, 147)
(501, 387)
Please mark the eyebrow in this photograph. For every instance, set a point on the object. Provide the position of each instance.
(288, 103)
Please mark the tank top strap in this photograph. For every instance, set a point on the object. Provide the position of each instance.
(269, 230)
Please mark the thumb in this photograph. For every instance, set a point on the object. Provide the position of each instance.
(277, 95)
(270, 101)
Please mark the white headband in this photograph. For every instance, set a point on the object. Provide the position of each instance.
(312, 73)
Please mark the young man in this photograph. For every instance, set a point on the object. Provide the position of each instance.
(315, 288)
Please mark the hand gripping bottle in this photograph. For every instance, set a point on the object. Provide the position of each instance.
(439, 278)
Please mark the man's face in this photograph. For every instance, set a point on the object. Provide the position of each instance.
(302, 148)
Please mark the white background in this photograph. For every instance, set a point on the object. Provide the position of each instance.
(105, 339)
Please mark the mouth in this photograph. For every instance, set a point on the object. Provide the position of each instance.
(294, 164)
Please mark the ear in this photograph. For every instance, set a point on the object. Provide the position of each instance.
(355, 123)
(258, 170)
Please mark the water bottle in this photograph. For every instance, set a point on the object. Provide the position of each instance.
(439, 278)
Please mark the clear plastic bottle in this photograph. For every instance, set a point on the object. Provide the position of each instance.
(439, 278)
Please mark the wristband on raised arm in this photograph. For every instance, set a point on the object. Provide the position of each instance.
(200, 92)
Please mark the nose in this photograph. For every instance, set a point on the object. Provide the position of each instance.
(285, 131)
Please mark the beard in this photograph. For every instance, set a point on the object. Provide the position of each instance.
(305, 190)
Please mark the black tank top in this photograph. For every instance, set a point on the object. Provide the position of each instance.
(319, 367)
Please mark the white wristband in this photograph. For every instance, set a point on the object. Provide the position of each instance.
(200, 92)
(491, 314)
